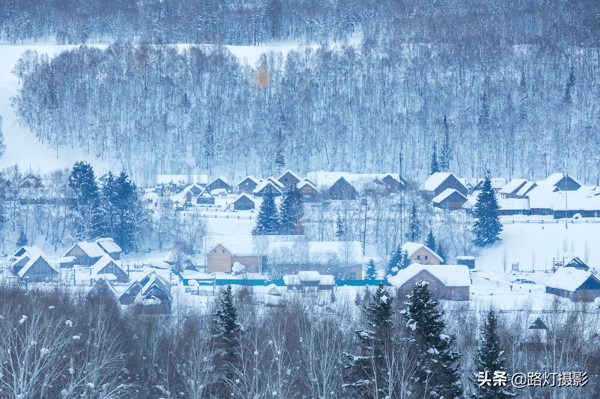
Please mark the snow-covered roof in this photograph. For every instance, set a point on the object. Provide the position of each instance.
(303, 183)
(530, 185)
(102, 263)
(275, 182)
(103, 280)
(449, 275)
(445, 194)
(516, 204)
(224, 180)
(266, 183)
(32, 251)
(316, 252)
(554, 178)
(272, 290)
(91, 249)
(568, 279)
(109, 245)
(219, 192)
(412, 247)
(309, 276)
(157, 281)
(540, 197)
(433, 182)
(204, 194)
(237, 245)
(359, 181)
(575, 200)
(249, 177)
(243, 195)
(291, 279)
(291, 173)
(327, 279)
(28, 265)
(465, 257)
(512, 186)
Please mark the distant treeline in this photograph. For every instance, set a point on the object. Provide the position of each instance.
(251, 22)
(382, 106)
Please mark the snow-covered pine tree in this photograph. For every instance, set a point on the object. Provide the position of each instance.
(119, 201)
(446, 153)
(489, 358)
(86, 205)
(357, 299)
(291, 212)
(365, 373)
(22, 240)
(430, 242)
(371, 273)
(339, 228)
(227, 330)
(394, 263)
(487, 225)
(366, 295)
(404, 260)
(267, 221)
(435, 167)
(414, 227)
(438, 373)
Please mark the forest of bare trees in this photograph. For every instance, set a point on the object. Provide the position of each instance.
(58, 344)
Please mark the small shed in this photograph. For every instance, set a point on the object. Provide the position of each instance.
(243, 203)
(326, 282)
(205, 198)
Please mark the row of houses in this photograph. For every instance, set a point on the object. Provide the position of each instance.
(559, 195)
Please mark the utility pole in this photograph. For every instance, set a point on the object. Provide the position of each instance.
(566, 203)
(365, 203)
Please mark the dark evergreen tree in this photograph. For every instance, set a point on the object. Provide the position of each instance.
(568, 99)
(267, 221)
(86, 202)
(404, 260)
(227, 330)
(489, 358)
(394, 262)
(446, 153)
(366, 295)
(291, 211)
(357, 299)
(442, 253)
(430, 242)
(3, 205)
(332, 298)
(414, 227)
(339, 228)
(435, 167)
(438, 374)
(368, 370)
(487, 226)
(371, 273)
(22, 240)
(119, 202)
(209, 144)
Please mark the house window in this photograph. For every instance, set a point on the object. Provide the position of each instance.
(215, 251)
(352, 275)
(223, 250)
(418, 257)
(456, 295)
(425, 257)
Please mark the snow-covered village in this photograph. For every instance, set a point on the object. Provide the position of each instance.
(288, 199)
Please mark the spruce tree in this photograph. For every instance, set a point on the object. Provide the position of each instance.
(332, 298)
(119, 202)
(414, 227)
(446, 153)
(404, 260)
(209, 144)
(357, 299)
(291, 212)
(366, 295)
(435, 167)
(87, 221)
(487, 226)
(371, 273)
(227, 330)
(489, 358)
(442, 253)
(22, 240)
(395, 262)
(339, 228)
(267, 221)
(438, 372)
(367, 370)
(430, 242)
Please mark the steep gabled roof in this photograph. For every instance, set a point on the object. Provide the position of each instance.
(275, 188)
(569, 279)
(412, 247)
(32, 251)
(434, 181)
(158, 282)
(447, 193)
(513, 186)
(449, 275)
(102, 263)
(243, 195)
(251, 178)
(31, 262)
(91, 249)
(291, 173)
(103, 282)
(555, 178)
(109, 245)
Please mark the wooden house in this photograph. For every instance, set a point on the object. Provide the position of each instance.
(512, 188)
(219, 182)
(205, 198)
(85, 253)
(439, 182)
(341, 190)
(128, 297)
(37, 270)
(102, 288)
(243, 203)
(230, 250)
(289, 178)
(191, 192)
(308, 191)
(155, 296)
(562, 182)
(247, 185)
(513, 206)
(577, 285)
(311, 281)
(30, 181)
(110, 247)
(449, 199)
(448, 282)
(395, 182)
(267, 186)
(422, 254)
(106, 265)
